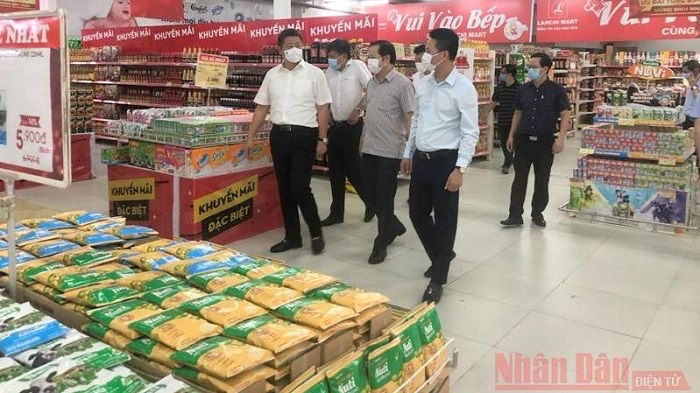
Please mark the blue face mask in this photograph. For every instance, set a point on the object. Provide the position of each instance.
(534, 73)
(333, 63)
(502, 77)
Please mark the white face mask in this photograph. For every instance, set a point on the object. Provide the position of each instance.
(426, 61)
(373, 65)
(293, 55)
(420, 67)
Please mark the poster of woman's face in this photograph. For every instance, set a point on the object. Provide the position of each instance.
(102, 14)
(119, 15)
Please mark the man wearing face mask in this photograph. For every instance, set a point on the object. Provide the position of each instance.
(690, 70)
(347, 79)
(533, 137)
(296, 95)
(502, 103)
(444, 134)
(389, 105)
(420, 67)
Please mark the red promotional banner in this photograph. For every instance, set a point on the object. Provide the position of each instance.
(173, 10)
(18, 5)
(641, 8)
(606, 20)
(30, 33)
(502, 21)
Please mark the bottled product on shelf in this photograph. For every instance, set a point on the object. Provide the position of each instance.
(625, 58)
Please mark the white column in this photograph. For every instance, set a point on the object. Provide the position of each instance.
(47, 5)
(282, 9)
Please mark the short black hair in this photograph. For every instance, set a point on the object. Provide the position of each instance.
(419, 49)
(286, 34)
(545, 60)
(446, 39)
(691, 65)
(340, 46)
(386, 48)
(510, 69)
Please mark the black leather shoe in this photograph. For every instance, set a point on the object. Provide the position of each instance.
(512, 222)
(400, 231)
(433, 293)
(369, 215)
(428, 273)
(317, 245)
(539, 221)
(331, 220)
(285, 245)
(378, 256)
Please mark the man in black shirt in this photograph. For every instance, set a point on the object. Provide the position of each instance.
(538, 105)
(503, 104)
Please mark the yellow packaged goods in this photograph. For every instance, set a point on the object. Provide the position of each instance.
(299, 279)
(318, 314)
(106, 335)
(148, 281)
(264, 294)
(152, 350)
(74, 277)
(118, 317)
(223, 357)
(80, 217)
(172, 296)
(150, 260)
(48, 292)
(259, 269)
(217, 280)
(156, 245)
(345, 295)
(270, 333)
(27, 271)
(222, 310)
(101, 295)
(78, 308)
(349, 375)
(385, 368)
(89, 257)
(193, 250)
(104, 224)
(432, 338)
(176, 328)
(236, 384)
(413, 359)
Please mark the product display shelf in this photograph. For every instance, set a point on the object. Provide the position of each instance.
(485, 68)
(564, 73)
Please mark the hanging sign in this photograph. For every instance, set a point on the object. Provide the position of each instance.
(606, 20)
(34, 129)
(18, 5)
(211, 71)
(642, 8)
(650, 70)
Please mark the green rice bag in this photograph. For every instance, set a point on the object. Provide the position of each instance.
(119, 316)
(222, 357)
(150, 280)
(105, 334)
(152, 350)
(89, 258)
(176, 328)
(270, 333)
(264, 294)
(385, 367)
(217, 280)
(48, 292)
(101, 295)
(259, 269)
(73, 277)
(172, 296)
(27, 271)
(348, 376)
(222, 310)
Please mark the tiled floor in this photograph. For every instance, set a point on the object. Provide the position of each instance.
(573, 287)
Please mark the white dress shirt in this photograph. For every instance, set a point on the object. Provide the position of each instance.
(690, 101)
(446, 117)
(293, 95)
(347, 87)
(417, 78)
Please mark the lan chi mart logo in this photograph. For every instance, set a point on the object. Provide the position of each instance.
(516, 372)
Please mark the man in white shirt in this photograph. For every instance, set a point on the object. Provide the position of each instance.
(347, 80)
(422, 72)
(690, 71)
(296, 96)
(443, 138)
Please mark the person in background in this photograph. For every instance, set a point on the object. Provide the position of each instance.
(389, 105)
(690, 71)
(422, 71)
(347, 80)
(503, 105)
(296, 95)
(538, 105)
(444, 134)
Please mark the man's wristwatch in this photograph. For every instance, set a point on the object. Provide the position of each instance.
(324, 140)
(462, 170)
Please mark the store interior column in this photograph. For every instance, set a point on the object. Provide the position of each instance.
(282, 9)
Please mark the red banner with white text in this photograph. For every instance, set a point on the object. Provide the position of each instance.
(502, 21)
(606, 20)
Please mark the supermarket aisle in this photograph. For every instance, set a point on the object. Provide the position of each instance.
(572, 288)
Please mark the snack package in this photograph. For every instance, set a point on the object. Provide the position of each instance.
(385, 367)
(99, 226)
(232, 385)
(222, 357)
(301, 280)
(150, 260)
(345, 295)
(264, 294)
(217, 280)
(80, 217)
(86, 238)
(89, 258)
(170, 385)
(9, 369)
(193, 250)
(47, 224)
(101, 295)
(222, 310)
(27, 271)
(131, 232)
(75, 277)
(156, 245)
(259, 269)
(349, 375)
(50, 247)
(118, 316)
(172, 296)
(105, 334)
(27, 328)
(412, 348)
(48, 292)
(176, 328)
(20, 257)
(34, 236)
(150, 280)
(315, 313)
(270, 333)
(432, 338)
(189, 267)
(152, 350)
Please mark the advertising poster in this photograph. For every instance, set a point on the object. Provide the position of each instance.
(213, 11)
(18, 5)
(643, 8)
(34, 136)
(606, 20)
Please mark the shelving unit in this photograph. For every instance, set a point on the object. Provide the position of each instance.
(485, 88)
(564, 73)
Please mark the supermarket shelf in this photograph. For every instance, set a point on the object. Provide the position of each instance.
(661, 159)
(169, 85)
(106, 137)
(628, 66)
(128, 103)
(584, 78)
(269, 65)
(127, 63)
(98, 119)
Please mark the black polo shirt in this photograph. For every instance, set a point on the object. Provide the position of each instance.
(504, 95)
(540, 107)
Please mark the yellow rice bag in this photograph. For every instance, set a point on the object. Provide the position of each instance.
(223, 357)
(176, 328)
(222, 310)
(118, 317)
(315, 313)
(345, 295)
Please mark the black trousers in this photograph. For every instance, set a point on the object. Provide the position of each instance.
(293, 154)
(379, 179)
(503, 133)
(428, 195)
(537, 154)
(344, 162)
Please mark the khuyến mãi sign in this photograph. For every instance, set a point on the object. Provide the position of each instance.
(646, 8)
(222, 200)
(132, 189)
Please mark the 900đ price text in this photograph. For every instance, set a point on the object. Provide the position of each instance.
(30, 137)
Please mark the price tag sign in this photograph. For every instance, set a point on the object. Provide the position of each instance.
(667, 160)
(626, 122)
(211, 71)
(585, 152)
